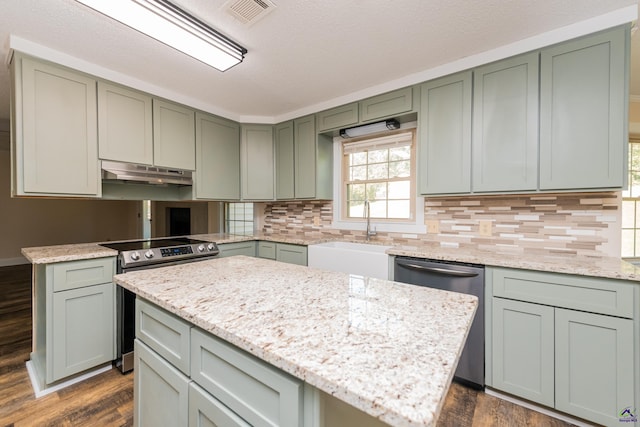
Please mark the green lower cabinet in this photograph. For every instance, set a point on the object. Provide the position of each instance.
(205, 410)
(267, 250)
(292, 254)
(523, 347)
(594, 366)
(161, 392)
(247, 248)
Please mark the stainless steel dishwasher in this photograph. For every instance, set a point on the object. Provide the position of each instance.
(456, 277)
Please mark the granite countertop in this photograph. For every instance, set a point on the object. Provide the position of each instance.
(386, 348)
(606, 267)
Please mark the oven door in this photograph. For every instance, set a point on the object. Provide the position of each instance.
(126, 315)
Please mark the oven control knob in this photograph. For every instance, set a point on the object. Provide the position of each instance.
(148, 254)
(201, 248)
(135, 256)
(210, 247)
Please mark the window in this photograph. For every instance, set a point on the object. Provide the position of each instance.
(631, 205)
(239, 218)
(380, 170)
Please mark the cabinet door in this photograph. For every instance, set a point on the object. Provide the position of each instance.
(57, 149)
(125, 124)
(505, 125)
(207, 411)
(285, 159)
(583, 100)
(305, 155)
(160, 391)
(292, 254)
(523, 350)
(82, 330)
(594, 366)
(217, 158)
(444, 150)
(338, 117)
(267, 250)
(386, 105)
(257, 162)
(174, 141)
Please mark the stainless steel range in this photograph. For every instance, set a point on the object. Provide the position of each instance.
(141, 255)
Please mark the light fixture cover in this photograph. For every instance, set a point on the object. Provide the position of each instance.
(167, 23)
(391, 124)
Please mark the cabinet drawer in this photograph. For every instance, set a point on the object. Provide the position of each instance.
(78, 274)
(346, 115)
(267, 250)
(385, 105)
(239, 248)
(205, 410)
(257, 392)
(292, 254)
(597, 295)
(164, 332)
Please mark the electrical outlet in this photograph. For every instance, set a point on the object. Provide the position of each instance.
(316, 220)
(433, 227)
(485, 227)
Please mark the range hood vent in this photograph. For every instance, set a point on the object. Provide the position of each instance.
(117, 171)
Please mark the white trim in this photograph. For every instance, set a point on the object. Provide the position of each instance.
(533, 407)
(418, 226)
(43, 392)
(6, 262)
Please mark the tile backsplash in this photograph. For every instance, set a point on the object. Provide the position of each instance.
(573, 223)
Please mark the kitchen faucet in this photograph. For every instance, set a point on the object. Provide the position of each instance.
(367, 214)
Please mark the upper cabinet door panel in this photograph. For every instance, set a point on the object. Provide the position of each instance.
(173, 136)
(125, 124)
(217, 158)
(505, 125)
(257, 162)
(346, 115)
(285, 160)
(305, 155)
(59, 131)
(583, 96)
(386, 105)
(444, 150)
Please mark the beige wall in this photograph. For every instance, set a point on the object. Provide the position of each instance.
(634, 118)
(26, 222)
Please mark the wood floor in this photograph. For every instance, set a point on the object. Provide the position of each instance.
(107, 399)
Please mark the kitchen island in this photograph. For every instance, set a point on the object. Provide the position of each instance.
(386, 349)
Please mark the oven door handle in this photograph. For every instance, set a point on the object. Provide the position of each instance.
(442, 271)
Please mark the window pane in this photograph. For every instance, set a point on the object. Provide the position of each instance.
(355, 192)
(378, 171)
(358, 173)
(379, 209)
(400, 153)
(378, 156)
(377, 191)
(400, 209)
(627, 243)
(628, 213)
(400, 190)
(358, 158)
(355, 209)
(400, 169)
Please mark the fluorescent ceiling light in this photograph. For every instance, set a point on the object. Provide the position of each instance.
(391, 124)
(174, 27)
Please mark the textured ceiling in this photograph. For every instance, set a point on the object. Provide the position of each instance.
(304, 54)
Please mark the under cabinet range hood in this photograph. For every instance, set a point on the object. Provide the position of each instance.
(117, 171)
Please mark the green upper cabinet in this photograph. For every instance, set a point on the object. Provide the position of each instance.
(386, 105)
(54, 130)
(444, 149)
(505, 125)
(285, 159)
(257, 162)
(125, 124)
(583, 112)
(174, 143)
(217, 174)
(339, 117)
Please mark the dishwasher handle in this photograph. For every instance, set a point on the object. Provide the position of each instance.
(442, 271)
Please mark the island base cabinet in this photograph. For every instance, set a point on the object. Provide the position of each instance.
(207, 411)
(83, 332)
(523, 347)
(594, 366)
(161, 392)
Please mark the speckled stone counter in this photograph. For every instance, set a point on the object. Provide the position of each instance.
(385, 348)
(60, 253)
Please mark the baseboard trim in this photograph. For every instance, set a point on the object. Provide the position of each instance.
(543, 410)
(6, 262)
(43, 392)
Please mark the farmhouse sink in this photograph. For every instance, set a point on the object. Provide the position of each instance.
(354, 258)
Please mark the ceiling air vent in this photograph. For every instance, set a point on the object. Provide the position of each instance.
(249, 11)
